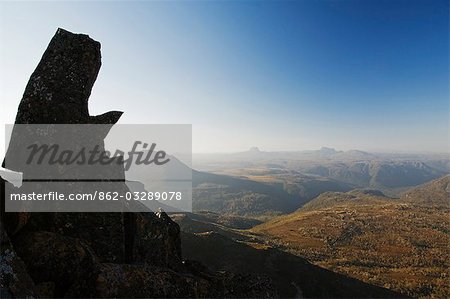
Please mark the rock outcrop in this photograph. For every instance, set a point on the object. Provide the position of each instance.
(111, 254)
(58, 90)
(15, 282)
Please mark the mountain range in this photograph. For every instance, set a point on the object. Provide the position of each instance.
(271, 185)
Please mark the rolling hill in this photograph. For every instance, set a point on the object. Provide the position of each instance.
(239, 196)
(391, 177)
(293, 277)
(352, 198)
(399, 245)
(392, 173)
(258, 194)
(436, 192)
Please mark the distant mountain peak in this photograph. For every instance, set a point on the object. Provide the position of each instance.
(254, 149)
(327, 150)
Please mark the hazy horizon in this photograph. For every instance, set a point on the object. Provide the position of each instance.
(282, 76)
(380, 151)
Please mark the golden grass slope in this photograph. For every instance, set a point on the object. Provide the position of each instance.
(436, 192)
(402, 246)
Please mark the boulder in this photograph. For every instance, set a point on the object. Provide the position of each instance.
(54, 258)
(59, 88)
(14, 279)
(141, 281)
(157, 241)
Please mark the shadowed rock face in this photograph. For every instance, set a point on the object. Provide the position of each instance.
(55, 258)
(57, 93)
(59, 88)
(96, 254)
(14, 279)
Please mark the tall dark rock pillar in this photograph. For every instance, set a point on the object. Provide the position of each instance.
(58, 90)
(57, 93)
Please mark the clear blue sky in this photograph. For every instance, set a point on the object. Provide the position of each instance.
(370, 75)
